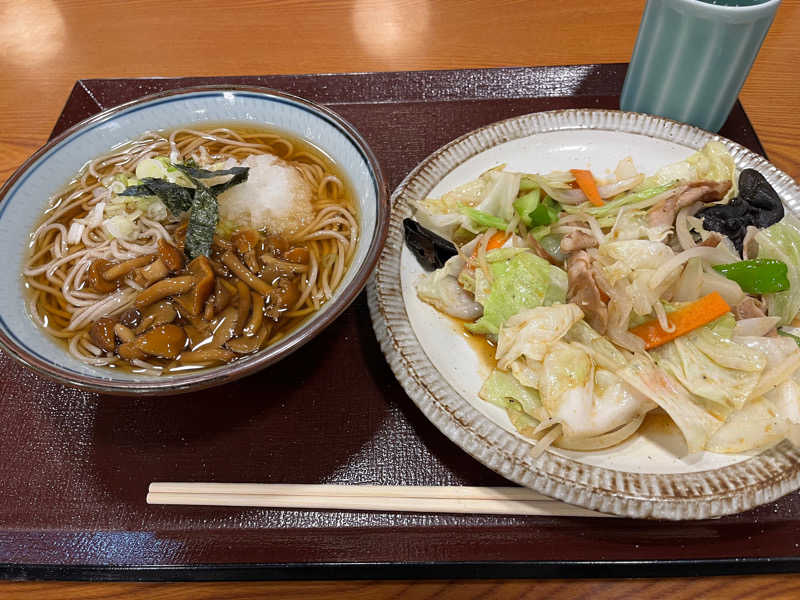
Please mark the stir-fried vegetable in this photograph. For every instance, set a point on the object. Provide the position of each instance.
(526, 204)
(757, 204)
(790, 335)
(431, 250)
(519, 280)
(685, 319)
(588, 185)
(781, 241)
(484, 220)
(546, 213)
(496, 241)
(757, 276)
(650, 309)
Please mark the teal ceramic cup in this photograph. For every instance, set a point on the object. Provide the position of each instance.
(692, 56)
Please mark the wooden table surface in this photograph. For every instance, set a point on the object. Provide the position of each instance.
(45, 45)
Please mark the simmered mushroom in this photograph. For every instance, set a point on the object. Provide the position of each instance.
(275, 245)
(280, 266)
(227, 326)
(165, 341)
(299, 255)
(249, 343)
(202, 270)
(285, 293)
(230, 260)
(95, 277)
(256, 314)
(206, 355)
(195, 335)
(166, 287)
(153, 272)
(170, 255)
(195, 300)
(221, 243)
(217, 301)
(129, 351)
(245, 242)
(114, 272)
(159, 313)
(243, 306)
(124, 333)
(220, 270)
(102, 334)
(131, 318)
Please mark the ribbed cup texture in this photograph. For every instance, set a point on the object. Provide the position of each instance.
(691, 59)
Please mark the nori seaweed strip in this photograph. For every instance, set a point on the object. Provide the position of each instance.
(200, 201)
(239, 177)
(206, 174)
(176, 198)
(137, 190)
(203, 219)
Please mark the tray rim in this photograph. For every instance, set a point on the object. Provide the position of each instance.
(333, 571)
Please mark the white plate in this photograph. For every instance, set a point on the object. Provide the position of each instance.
(439, 367)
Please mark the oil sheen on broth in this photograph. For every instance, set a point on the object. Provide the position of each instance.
(190, 248)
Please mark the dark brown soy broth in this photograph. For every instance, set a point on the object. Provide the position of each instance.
(300, 151)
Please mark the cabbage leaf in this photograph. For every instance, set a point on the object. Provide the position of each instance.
(712, 162)
(781, 241)
(695, 423)
(713, 367)
(520, 280)
(529, 333)
(522, 403)
(492, 194)
(441, 289)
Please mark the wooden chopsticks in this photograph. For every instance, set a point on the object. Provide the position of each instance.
(426, 499)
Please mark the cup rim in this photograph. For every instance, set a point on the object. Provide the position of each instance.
(716, 9)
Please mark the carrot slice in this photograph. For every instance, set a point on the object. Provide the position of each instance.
(588, 185)
(690, 317)
(497, 240)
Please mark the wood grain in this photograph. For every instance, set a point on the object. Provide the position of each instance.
(45, 45)
(774, 587)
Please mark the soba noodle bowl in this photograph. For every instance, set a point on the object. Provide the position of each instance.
(115, 271)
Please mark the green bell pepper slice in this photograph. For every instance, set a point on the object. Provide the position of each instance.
(757, 276)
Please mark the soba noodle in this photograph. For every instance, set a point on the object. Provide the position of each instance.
(72, 238)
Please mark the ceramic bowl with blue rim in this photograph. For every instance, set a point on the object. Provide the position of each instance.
(26, 195)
